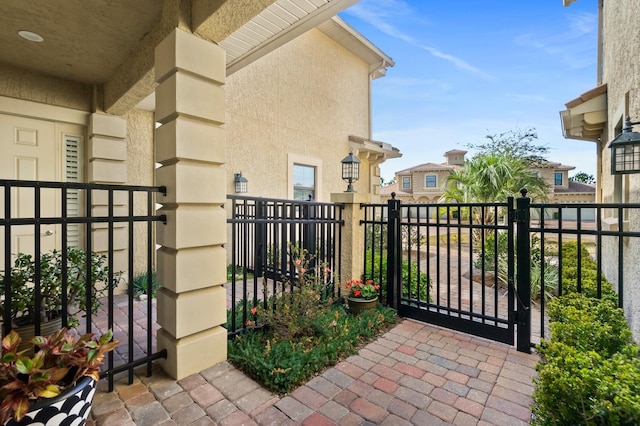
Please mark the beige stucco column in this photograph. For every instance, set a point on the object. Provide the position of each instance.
(352, 234)
(107, 154)
(190, 145)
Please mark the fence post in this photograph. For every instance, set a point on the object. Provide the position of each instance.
(394, 267)
(260, 240)
(523, 276)
(309, 242)
(352, 252)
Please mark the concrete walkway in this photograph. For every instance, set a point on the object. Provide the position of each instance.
(415, 374)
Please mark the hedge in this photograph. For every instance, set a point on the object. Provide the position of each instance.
(589, 373)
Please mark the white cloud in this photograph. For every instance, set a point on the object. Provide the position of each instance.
(573, 46)
(381, 13)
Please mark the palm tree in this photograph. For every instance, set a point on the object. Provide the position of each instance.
(491, 178)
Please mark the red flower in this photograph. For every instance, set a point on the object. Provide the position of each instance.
(357, 293)
(254, 310)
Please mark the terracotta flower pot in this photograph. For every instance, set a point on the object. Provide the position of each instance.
(357, 304)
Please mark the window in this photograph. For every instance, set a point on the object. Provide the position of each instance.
(304, 182)
(430, 181)
(535, 174)
(406, 182)
(557, 179)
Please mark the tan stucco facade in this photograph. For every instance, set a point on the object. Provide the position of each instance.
(118, 144)
(302, 103)
(297, 105)
(620, 50)
(618, 84)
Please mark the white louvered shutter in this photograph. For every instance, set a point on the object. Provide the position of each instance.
(74, 204)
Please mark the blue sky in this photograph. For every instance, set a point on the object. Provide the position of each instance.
(469, 68)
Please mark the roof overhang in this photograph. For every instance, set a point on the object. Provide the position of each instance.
(349, 38)
(374, 151)
(283, 21)
(276, 25)
(586, 116)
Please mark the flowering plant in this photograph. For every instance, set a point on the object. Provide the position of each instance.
(363, 290)
(293, 309)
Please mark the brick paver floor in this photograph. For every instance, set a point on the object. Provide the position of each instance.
(414, 374)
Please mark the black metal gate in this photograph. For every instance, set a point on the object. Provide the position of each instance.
(439, 263)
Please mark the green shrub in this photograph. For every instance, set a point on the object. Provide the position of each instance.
(589, 373)
(298, 332)
(588, 273)
(282, 364)
(582, 387)
(587, 324)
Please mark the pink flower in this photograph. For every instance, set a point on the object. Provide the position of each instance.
(254, 310)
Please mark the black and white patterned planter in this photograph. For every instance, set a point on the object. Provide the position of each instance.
(70, 408)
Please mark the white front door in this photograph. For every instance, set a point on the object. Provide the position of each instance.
(30, 150)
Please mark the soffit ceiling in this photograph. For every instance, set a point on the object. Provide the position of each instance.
(83, 40)
(86, 41)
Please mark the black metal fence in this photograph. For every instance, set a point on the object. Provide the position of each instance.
(435, 263)
(605, 237)
(491, 268)
(55, 249)
(262, 233)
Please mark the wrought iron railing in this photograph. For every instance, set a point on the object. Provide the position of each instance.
(262, 233)
(38, 216)
(502, 253)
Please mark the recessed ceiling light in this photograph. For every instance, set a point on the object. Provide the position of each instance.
(28, 35)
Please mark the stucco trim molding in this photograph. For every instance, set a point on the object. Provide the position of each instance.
(31, 109)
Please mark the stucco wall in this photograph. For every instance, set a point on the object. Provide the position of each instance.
(140, 167)
(23, 84)
(621, 49)
(303, 99)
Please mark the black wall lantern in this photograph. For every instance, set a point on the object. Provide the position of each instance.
(350, 170)
(240, 182)
(625, 150)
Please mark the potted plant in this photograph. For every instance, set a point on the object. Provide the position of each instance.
(23, 307)
(363, 295)
(54, 385)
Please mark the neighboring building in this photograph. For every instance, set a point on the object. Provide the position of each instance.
(598, 116)
(425, 183)
(283, 75)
